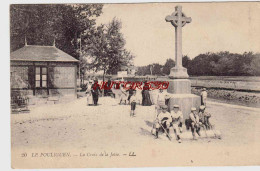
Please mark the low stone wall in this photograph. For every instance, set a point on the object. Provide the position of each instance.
(234, 95)
(222, 83)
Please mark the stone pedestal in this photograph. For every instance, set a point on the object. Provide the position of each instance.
(178, 72)
(179, 86)
(180, 90)
(186, 102)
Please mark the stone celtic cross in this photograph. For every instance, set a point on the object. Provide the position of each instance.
(178, 19)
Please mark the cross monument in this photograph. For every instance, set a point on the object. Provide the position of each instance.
(179, 84)
(178, 19)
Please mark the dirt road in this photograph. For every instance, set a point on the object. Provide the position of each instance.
(107, 128)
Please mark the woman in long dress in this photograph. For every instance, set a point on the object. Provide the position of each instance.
(146, 100)
(89, 95)
(123, 97)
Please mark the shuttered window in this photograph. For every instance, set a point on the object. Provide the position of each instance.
(41, 77)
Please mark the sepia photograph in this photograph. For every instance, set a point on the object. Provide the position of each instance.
(126, 85)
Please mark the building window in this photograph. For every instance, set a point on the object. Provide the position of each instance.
(41, 77)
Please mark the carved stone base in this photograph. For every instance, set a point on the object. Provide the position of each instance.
(179, 86)
(186, 102)
(178, 72)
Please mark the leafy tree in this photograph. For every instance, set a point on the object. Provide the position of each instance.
(42, 23)
(143, 70)
(223, 63)
(186, 61)
(202, 64)
(167, 66)
(107, 49)
(215, 64)
(255, 65)
(156, 69)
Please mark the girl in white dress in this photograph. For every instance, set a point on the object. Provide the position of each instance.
(89, 95)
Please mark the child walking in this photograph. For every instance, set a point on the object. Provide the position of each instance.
(133, 100)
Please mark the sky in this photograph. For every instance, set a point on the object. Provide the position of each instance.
(233, 27)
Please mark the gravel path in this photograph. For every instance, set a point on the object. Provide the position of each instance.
(78, 128)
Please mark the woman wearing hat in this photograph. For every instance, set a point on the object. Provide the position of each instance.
(123, 96)
(88, 92)
(146, 99)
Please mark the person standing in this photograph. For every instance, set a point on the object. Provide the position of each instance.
(146, 100)
(107, 88)
(123, 96)
(204, 96)
(95, 90)
(89, 94)
(130, 93)
(162, 96)
(133, 100)
(177, 120)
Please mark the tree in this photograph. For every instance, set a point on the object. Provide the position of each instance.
(186, 61)
(143, 70)
(255, 65)
(202, 64)
(107, 49)
(214, 64)
(43, 23)
(167, 66)
(66, 23)
(156, 69)
(224, 64)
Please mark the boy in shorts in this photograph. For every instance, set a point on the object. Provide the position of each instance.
(133, 100)
(163, 121)
(177, 119)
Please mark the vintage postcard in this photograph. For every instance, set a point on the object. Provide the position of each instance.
(135, 85)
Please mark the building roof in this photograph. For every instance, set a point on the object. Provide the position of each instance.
(41, 53)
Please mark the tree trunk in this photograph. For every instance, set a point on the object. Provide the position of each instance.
(80, 76)
(83, 77)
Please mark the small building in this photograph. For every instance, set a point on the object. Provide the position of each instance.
(45, 71)
(131, 70)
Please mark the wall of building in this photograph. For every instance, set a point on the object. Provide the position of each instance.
(61, 79)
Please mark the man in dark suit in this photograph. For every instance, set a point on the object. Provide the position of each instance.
(95, 89)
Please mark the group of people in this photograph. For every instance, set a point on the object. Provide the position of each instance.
(165, 118)
(130, 97)
(146, 99)
(93, 92)
(197, 120)
(174, 119)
